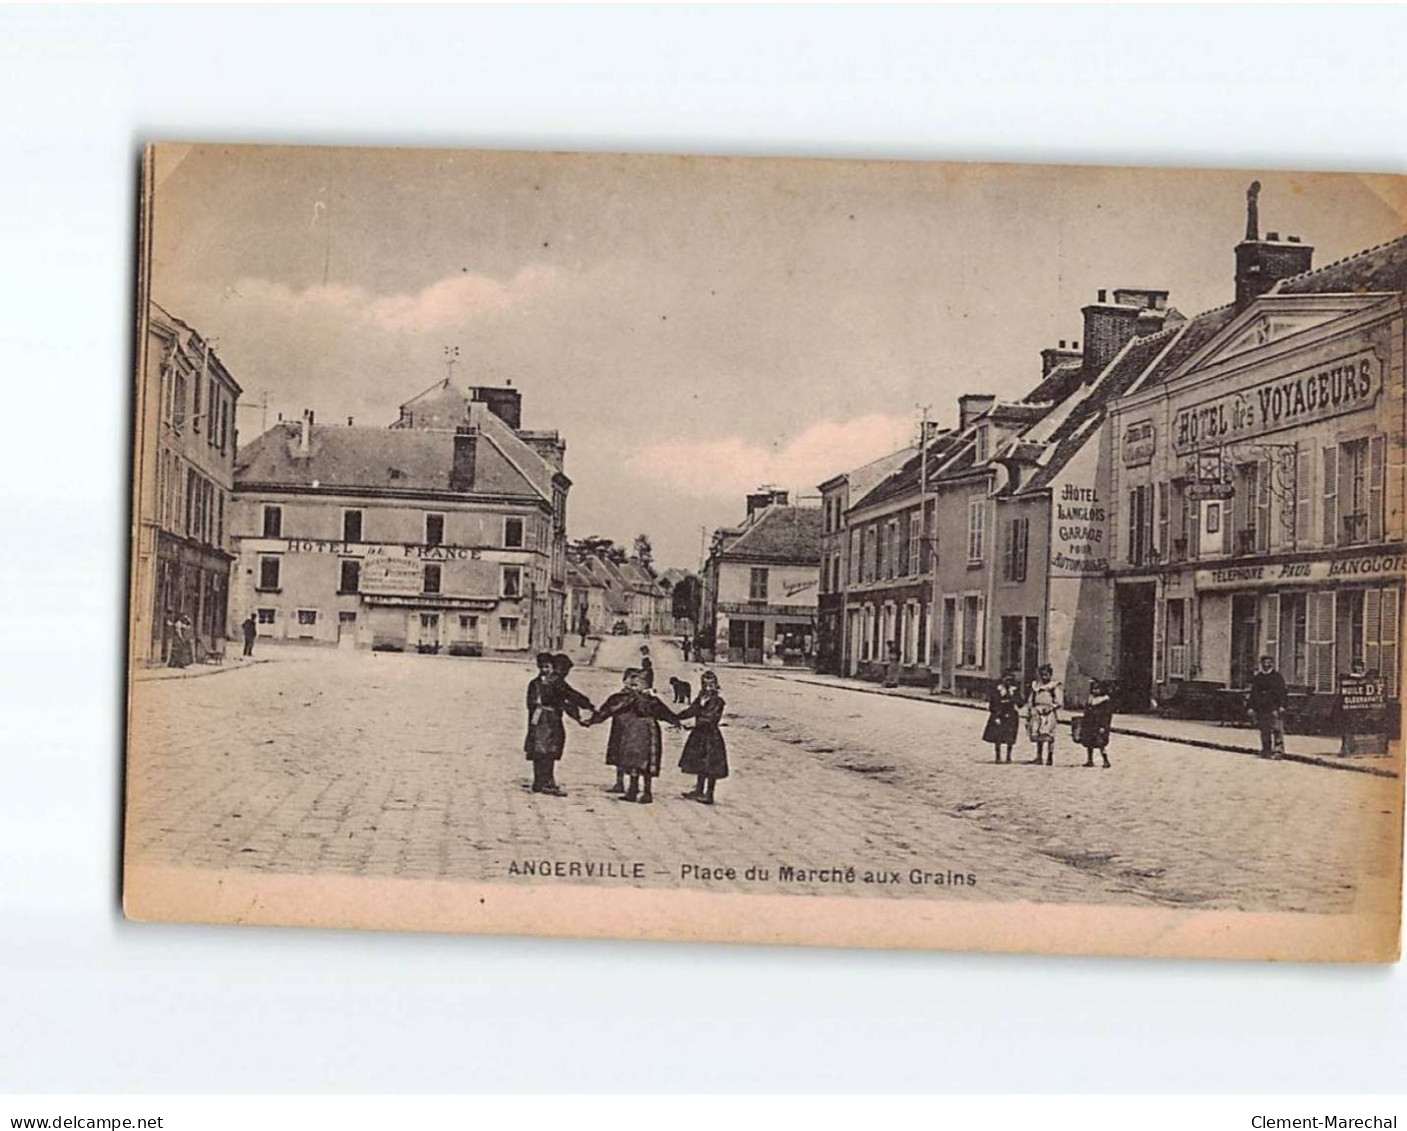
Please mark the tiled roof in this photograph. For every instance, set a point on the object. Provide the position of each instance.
(1375, 269)
(780, 534)
(395, 459)
(906, 478)
(1058, 384)
(1085, 416)
(1195, 334)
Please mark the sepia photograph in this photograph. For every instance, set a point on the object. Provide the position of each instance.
(852, 553)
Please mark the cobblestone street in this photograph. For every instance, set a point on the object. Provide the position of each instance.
(412, 766)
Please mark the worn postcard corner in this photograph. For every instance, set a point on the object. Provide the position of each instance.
(987, 557)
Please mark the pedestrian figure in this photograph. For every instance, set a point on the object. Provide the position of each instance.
(585, 626)
(705, 753)
(182, 652)
(249, 632)
(1043, 714)
(891, 667)
(1094, 726)
(635, 745)
(1003, 716)
(549, 697)
(1267, 702)
(647, 666)
(686, 644)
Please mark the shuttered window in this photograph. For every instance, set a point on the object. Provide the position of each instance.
(1320, 631)
(1304, 496)
(1262, 508)
(976, 530)
(1376, 474)
(1381, 634)
(1162, 546)
(1330, 465)
(1270, 628)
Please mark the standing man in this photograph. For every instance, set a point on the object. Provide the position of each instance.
(249, 631)
(647, 667)
(585, 626)
(1267, 702)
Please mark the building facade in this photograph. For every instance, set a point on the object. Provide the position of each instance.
(1258, 489)
(183, 553)
(760, 584)
(836, 495)
(414, 537)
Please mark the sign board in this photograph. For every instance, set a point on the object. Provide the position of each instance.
(1078, 533)
(1363, 567)
(1200, 491)
(399, 576)
(1140, 440)
(1363, 714)
(1324, 391)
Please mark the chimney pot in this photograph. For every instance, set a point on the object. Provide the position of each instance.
(349, 422)
(1074, 345)
(1293, 239)
(1103, 296)
(1062, 343)
(1273, 237)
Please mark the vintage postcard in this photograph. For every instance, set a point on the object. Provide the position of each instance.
(886, 554)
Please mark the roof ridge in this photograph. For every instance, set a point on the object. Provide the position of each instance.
(1338, 262)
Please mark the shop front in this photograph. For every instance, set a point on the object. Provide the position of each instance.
(1318, 617)
(780, 637)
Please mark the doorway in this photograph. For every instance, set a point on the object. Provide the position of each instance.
(745, 641)
(1245, 639)
(346, 629)
(1135, 675)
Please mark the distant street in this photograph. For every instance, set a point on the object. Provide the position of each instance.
(404, 765)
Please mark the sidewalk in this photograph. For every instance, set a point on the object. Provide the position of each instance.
(1310, 749)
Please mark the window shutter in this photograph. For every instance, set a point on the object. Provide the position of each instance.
(1270, 627)
(1304, 495)
(1377, 449)
(1331, 487)
(1009, 551)
(1163, 546)
(981, 631)
(1132, 554)
(1387, 640)
(1263, 506)
(1147, 521)
(1320, 631)
(1160, 618)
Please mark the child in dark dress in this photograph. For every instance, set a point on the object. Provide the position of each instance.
(1003, 717)
(705, 753)
(550, 697)
(635, 744)
(1094, 727)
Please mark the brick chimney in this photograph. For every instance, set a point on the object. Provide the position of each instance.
(1261, 263)
(549, 445)
(973, 405)
(305, 435)
(1060, 354)
(461, 475)
(504, 402)
(1109, 326)
(765, 497)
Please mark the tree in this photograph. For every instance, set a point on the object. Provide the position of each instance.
(644, 552)
(595, 544)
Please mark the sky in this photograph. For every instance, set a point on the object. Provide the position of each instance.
(693, 327)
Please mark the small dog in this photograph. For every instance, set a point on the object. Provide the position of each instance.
(683, 693)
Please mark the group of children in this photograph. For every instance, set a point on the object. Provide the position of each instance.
(1042, 708)
(635, 746)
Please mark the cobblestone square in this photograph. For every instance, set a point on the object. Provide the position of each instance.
(393, 765)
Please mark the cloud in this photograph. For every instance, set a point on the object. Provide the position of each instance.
(731, 466)
(453, 299)
(448, 302)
